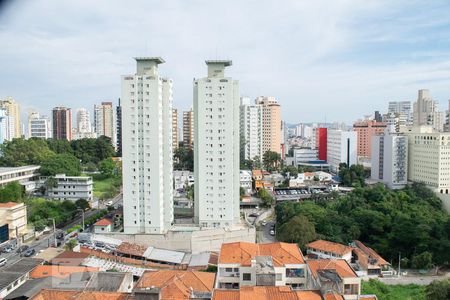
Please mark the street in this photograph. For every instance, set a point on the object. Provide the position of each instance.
(45, 240)
(263, 232)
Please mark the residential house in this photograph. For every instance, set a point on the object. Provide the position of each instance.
(103, 225)
(15, 216)
(71, 188)
(328, 250)
(13, 276)
(370, 262)
(248, 264)
(246, 181)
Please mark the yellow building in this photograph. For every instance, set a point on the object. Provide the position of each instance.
(271, 124)
(15, 215)
(13, 110)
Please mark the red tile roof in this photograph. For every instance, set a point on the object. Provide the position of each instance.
(59, 271)
(265, 293)
(80, 295)
(176, 284)
(131, 249)
(242, 253)
(103, 222)
(8, 204)
(332, 247)
(371, 253)
(341, 267)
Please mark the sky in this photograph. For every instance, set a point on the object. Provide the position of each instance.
(334, 60)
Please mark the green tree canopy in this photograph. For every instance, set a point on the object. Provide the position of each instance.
(271, 161)
(438, 290)
(21, 152)
(107, 167)
(12, 191)
(297, 230)
(61, 164)
(184, 159)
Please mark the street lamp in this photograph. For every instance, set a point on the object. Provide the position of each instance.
(82, 217)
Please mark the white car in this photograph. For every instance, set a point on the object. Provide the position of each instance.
(3, 262)
(109, 203)
(264, 223)
(272, 232)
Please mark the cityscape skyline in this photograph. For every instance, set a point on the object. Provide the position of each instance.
(361, 70)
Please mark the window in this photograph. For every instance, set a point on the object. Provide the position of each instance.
(247, 276)
(278, 277)
(228, 269)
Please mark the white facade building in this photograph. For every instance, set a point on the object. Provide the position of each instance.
(105, 121)
(147, 149)
(83, 129)
(429, 158)
(251, 129)
(390, 159)
(216, 152)
(246, 181)
(71, 188)
(38, 126)
(426, 111)
(302, 155)
(341, 148)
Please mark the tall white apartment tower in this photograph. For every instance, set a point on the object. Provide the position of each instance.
(147, 149)
(216, 147)
(251, 129)
(105, 121)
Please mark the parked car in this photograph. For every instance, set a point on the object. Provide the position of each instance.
(109, 203)
(272, 232)
(3, 262)
(29, 252)
(264, 223)
(22, 248)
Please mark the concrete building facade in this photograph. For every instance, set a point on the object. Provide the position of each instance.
(147, 149)
(71, 188)
(251, 129)
(365, 130)
(15, 215)
(188, 128)
(426, 111)
(105, 121)
(341, 148)
(271, 124)
(38, 126)
(390, 159)
(216, 147)
(13, 110)
(174, 129)
(62, 123)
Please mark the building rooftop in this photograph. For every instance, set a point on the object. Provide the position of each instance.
(156, 59)
(226, 63)
(376, 258)
(243, 253)
(131, 249)
(59, 271)
(103, 222)
(13, 272)
(7, 170)
(265, 293)
(339, 266)
(49, 294)
(170, 256)
(332, 247)
(176, 284)
(9, 204)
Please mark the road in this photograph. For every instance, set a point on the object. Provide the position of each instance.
(419, 280)
(47, 239)
(263, 232)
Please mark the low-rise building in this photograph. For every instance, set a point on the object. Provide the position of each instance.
(25, 175)
(248, 264)
(304, 155)
(246, 181)
(257, 174)
(328, 250)
(103, 225)
(15, 216)
(267, 293)
(71, 188)
(175, 284)
(336, 276)
(369, 261)
(13, 276)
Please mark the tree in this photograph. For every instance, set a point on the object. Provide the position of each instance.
(59, 146)
(21, 152)
(107, 167)
(70, 245)
(184, 159)
(12, 191)
(82, 204)
(266, 198)
(293, 171)
(271, 160)
(422, 260)
(297, 230)
(354, 176)
(438, 290)
(61, 164)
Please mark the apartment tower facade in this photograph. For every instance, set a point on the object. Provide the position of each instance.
(216, 147)
(147, 149)
(62, 123)
(271, 124)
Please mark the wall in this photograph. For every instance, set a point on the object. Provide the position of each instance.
(445, 201)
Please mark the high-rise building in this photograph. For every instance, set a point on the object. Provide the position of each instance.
(284, 142)
(119, 129)
(39, 126)
(174, 129)
(13, 110)
(426, 111)
(104, 120)
(389, 161)
(216, 154)
(147, 149)
(83, 127)
(321, 142)
(341, 148)
(250, 129)
(428, 158)
(365, 130)
(62, 123)
(271, 124)
(399, 114)
(188, 128)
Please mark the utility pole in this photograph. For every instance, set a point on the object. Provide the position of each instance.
(54, 232)
(399, 260)
(17, 237)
